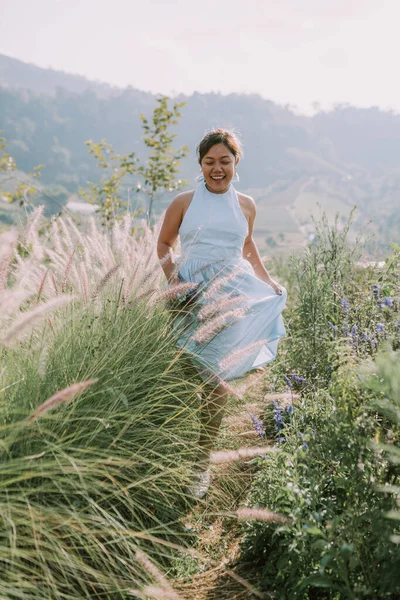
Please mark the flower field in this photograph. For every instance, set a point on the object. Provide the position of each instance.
(99, 427)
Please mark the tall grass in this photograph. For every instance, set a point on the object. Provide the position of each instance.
(85, 484)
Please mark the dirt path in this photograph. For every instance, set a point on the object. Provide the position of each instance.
(217, 530)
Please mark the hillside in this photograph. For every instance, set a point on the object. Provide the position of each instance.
(337, 159)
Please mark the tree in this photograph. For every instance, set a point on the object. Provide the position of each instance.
(162, 165)
(108, 194)
(8, 167)
(158, 172)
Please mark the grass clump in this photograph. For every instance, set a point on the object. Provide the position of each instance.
(96, 478)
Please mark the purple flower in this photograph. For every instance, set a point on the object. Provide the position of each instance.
(258, 425)
(345, 304)
(288, 382)
(304, 443)
(380, 328)
(333, 327)
(279, 423)
(388, 301)
(298, 379)
(280, 438)
(289, 409)
(375, 291)
(364, 337)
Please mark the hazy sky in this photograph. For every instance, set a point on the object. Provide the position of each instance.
(290, 51)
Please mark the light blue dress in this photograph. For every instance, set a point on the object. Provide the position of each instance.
(235, 324)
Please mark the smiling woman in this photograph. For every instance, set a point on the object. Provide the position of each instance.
(235, 322)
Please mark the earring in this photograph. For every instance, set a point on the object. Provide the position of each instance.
(236, 177)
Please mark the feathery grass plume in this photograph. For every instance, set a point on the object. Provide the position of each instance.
(55, 236)
(30, 234)
(220, 281)
(7, 244)
(66, 237)
(247, 585)
(30, 317)
(213, 379)
(41, 287)
(260, 514)
(212, 309)
(224, 456)
(84, 281)
(10, 301)
(42, 362)
(104, 281)
(61, 397)
(67, 271)
(238, 354)
(211, 328)
(76, 231)
(179, 288)
(160, 593)
(155, 572)
(54, 282)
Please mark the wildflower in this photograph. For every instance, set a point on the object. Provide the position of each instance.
(281, 439)
(304, 443)
(258, 425)
(288, 382)
(298, 379)
(333, 327)
(375, 291)
(380, 328)
(345, 304)
(329, 368)
(388, 301)
(289, 410)
(279, 423)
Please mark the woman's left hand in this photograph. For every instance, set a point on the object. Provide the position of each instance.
(275, 286)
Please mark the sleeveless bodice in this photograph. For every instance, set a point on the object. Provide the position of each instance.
(214, 227)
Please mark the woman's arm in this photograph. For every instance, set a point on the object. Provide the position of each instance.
(169, 232)
(250, 251)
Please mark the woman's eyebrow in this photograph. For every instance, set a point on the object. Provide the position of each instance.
(212, 158)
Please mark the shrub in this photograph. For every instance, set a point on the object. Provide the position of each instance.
(336, 544)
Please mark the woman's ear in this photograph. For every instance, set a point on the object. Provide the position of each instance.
(237, 161)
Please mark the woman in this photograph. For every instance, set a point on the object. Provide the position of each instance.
(215, 224)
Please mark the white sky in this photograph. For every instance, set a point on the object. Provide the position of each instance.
(290, 51)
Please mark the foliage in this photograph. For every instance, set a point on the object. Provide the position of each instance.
(25, 189)
(323, 479)
(158, 172)
(335, 476)
(163, 162)
(107, 195)
(87, 484)
(338, 304)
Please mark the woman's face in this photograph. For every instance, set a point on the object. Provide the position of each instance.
(218, 167)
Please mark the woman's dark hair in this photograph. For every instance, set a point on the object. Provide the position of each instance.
(219, 136)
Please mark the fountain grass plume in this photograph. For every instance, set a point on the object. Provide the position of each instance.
(29, 318)
(62, 397)
(260, 514)
(225, 456)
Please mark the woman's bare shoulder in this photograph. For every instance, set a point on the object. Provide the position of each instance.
(183, 198)
(182, 201)
(247, 204)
